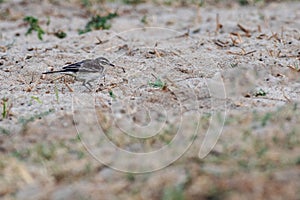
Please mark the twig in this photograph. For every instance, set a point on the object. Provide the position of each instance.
(62, 76)
(186, 34)
(156, 52)
(218, 25)
(100, 41)
(274, 35)
(118, 36)
(249, 52)
(285, 96)
(68, 86)
(261, 36)
(269, 98)
(294, 68)
(29, 87)
(259, 28)
(236, 41)
(220, 43)
(243, 53)
(247, 31)
(110, 86)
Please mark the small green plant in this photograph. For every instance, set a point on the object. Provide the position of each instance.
(295, 67)
(112, 95)
(260, 92)
(130, 177)
(56, 94)
(4, 131)
(173, 193)
(133, 1)
(158, 83)
(201, 3)
(88, 168)
(60, 34)
(250, 2)
(261, 150)
(36, 99)
(265, 119)
(234, 65)
(86, 3)
(215, 193)
(98, 23)
(4, 108)
(144, 19)
(80, 154)
(297, 161)
(34, 26)
(77, 138)
(46, 151)
(25, 121)
(21, 154)
(48, 21)
(243, 2)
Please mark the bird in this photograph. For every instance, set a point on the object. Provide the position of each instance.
(85, 71)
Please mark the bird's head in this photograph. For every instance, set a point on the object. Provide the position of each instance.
(104, 62)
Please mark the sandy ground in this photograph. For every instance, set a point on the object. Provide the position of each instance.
(221, 79)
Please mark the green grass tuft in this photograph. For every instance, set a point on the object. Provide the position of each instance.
(260, 92)
(24, 121)
(4, 131)
(4, 108)
(36, 99)
(173, 193)
(133, 1)
(34, 26)
(60, 34)
(158, 83)
(56, 94)
(98, 23)
(112, 95)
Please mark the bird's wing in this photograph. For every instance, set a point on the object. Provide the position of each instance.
(74, 67)
(91, 66)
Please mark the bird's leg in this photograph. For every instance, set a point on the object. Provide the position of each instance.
(89, 87)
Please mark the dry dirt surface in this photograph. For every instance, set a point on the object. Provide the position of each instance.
(203, 102)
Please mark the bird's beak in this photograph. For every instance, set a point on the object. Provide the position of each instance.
(111, 64)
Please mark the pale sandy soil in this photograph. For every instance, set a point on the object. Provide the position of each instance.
(48, 135)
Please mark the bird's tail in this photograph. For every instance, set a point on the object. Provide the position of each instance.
(53, 72)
